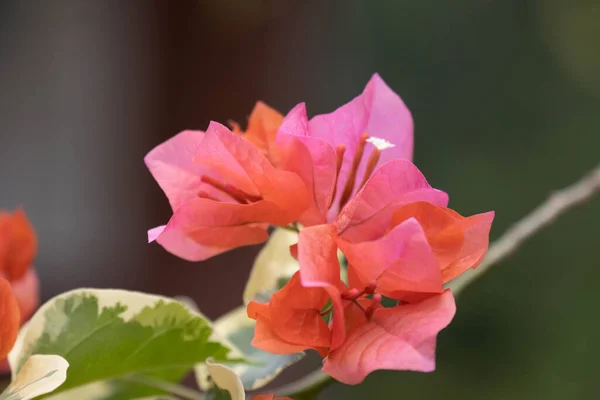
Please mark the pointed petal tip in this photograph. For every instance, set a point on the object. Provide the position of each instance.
(154, 233)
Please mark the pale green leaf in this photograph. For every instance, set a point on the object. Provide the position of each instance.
(40, 374)
(225, 378)
(109, 335)
(237, 329)
(273, 263)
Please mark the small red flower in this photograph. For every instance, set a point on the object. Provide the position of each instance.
(19, 284)
(9, 318)
(18, 248)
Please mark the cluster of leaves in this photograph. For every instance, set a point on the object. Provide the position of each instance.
(120, 345)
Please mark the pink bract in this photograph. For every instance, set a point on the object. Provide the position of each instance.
(398, 338)
(224, 196)
(378, 114)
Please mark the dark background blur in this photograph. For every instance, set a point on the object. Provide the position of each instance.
(505, 95)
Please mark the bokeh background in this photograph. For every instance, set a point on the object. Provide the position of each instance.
(506, 100)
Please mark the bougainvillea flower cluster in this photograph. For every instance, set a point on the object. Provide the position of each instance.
(346, 181)
(19, 287)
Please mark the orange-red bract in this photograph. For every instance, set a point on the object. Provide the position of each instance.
(18, 244)
(458, 242)
(291, 321)
(262, 128)
(9, 318)
(20, 286)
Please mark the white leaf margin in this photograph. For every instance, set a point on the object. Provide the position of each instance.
(226, 378)
(273, 262)
(40, 374)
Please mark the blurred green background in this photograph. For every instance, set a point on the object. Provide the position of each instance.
(506, 100)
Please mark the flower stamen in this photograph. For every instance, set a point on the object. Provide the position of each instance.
(204, 195)
(326, 311)
(352, 294)
(237, 194)
(340, 150)
(371, 164)
(358, 155)
(376, 301)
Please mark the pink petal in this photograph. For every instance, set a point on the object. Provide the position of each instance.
(310, 158)
(171, 164)
(399, 338)
(380, 113)
(219, 155)
(155, 232)
(319, 267)
(401, 262)
(244, 166)
(202, 228)
(369, 214)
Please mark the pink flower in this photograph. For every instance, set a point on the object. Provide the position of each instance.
(400, 242)
(336, 153)
(364, 335)
(226, 188)
(397, 338)
(223, 190)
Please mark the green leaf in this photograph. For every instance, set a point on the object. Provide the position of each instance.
(237, 329)
(39, 375)
(108, 335)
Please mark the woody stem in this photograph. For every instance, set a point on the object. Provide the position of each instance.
(540, 217)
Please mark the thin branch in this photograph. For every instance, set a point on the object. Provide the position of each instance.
(514, 237)
(312, 381)
(542, 216)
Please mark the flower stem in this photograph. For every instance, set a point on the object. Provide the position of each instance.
(542, 216)
(307, 387)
